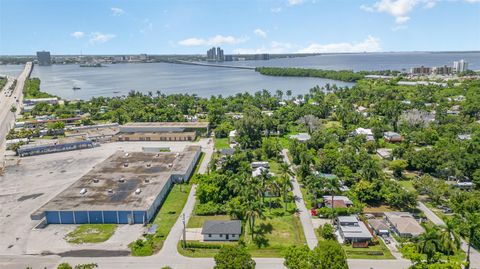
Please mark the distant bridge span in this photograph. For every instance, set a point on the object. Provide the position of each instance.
(214, 65)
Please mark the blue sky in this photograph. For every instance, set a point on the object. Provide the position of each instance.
(238, 26)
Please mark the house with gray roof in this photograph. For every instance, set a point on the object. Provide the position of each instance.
(353, 230)
(222, 230)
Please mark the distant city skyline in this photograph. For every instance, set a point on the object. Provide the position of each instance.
(239, 27)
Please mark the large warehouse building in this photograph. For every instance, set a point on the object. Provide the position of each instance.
(126, 188)
(161, 131)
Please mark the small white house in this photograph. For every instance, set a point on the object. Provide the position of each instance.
(222, 230)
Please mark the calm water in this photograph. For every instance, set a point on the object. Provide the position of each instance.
(119, 79)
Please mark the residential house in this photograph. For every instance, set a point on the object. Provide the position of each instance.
(222, 230)
(302, 137)
(379, 226)
(385, 153)
(392, 137)
(339, 201)
(353, 230)
(362, 131)
(403, 224)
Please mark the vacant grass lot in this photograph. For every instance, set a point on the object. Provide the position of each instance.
(377, 252)
(222, 143)
(276, 232)
(91, 233)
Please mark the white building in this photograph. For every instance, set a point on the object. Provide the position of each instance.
(362, 131)
(460, 66)
(222, 230)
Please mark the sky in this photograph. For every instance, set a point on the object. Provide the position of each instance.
(238, 26)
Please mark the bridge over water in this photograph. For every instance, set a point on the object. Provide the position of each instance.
(214, 65)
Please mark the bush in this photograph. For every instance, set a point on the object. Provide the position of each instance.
(203, 245)
(209, 208)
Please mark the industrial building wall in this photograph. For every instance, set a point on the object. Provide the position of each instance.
(96, 217)
(159, 199)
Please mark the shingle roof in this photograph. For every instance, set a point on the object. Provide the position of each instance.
(222, 227)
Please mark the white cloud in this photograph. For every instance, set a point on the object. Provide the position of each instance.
(402, 20)
(116, 11)
(77, 34)
(259, 32)
(295, 2)
(370, 44)
(212, 41)
(98, 37)
(399, 9)
(273, 47)
(276, 9)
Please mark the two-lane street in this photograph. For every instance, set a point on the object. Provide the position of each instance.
(7, 100)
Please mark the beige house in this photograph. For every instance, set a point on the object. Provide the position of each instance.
(403, 224)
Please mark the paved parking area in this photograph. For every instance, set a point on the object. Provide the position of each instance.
(194, 234)
(32, 181)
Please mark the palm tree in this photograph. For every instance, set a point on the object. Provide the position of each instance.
(473, 225)
(285, 185)
(331, 185)
(252, 212)
(285, 181)
(449, 238)
(429, 243)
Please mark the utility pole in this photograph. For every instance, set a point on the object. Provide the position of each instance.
(184, 232)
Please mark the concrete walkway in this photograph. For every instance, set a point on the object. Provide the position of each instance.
(474, 254)
(305, 217)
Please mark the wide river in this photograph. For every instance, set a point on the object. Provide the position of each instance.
(119, 79)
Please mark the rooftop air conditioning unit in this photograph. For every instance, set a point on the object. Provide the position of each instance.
(138, 191)
(125, 164)
(110, 191)
(147, 180)
(83, 191)
(149, 165)
(126, 154)
(170, 164)
(96, 180)
(121, 180)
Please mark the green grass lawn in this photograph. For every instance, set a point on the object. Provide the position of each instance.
(91, 233)
(274, 235)
(222, 143)
(165, 219)
(407, 184)
(197, 221)
(377, 252)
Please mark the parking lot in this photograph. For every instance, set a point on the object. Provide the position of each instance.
(33, 181)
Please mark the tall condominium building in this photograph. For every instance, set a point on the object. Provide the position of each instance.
(442, 70)
(422, 70)
(460, 66)
(220, 56)
(44, 58)
(215, 54)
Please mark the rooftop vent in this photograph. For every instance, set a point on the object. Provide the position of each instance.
(149, 165)
(170, 164)
(109, 191)
(83, 191)
(121, 180)
(126, 154)
(96, 180)
(147, 180)
(125, 164)
(138, 191)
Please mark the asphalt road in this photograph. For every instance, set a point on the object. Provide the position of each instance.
(305, 216)
(6, 102)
